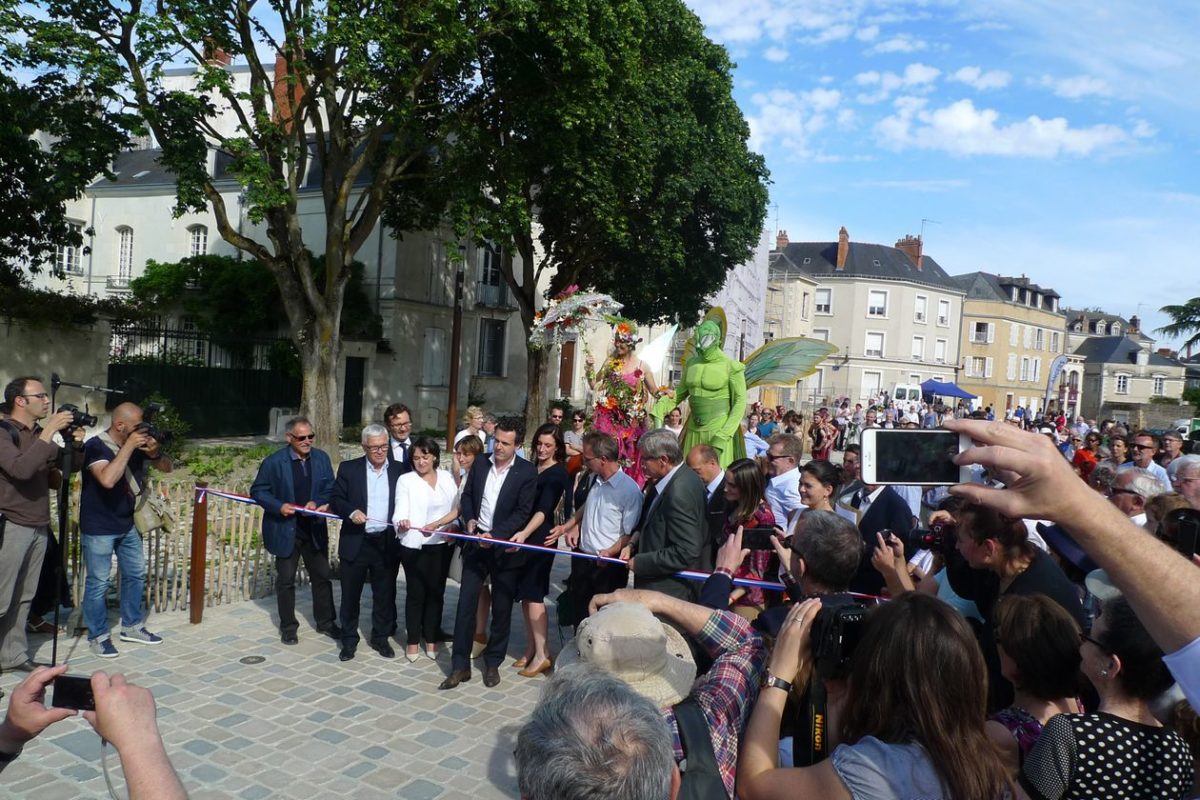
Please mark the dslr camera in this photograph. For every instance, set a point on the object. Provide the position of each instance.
(147, 426)
(79, 417)
(835, 635)
(938, 538)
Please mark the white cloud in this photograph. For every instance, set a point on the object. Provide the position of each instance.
(833, 33)
(928, 185)
(1143, 129)
(901, 43)
(1077, 87)
(788, 120)
(976, 78)
(775, 54)
(916, 77)
(960, 129)
(867, 34)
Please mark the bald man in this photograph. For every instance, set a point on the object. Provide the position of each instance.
(113, 463)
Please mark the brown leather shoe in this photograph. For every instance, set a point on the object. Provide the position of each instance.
(491, 677)
(457, 677)
(533, 672)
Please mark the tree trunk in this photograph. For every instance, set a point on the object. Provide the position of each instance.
(321, 399)
(535, 390)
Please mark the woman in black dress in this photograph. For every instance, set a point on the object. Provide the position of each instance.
(553, 485)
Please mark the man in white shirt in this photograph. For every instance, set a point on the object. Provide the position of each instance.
(1142, 449)
(602, 526)
(497, 502)
(1130, 491)
(783, 490)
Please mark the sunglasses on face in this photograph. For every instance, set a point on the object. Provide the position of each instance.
(307, 438)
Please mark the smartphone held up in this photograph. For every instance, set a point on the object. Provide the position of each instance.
(913, 457)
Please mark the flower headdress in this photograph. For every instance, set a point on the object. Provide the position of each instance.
(624, 330)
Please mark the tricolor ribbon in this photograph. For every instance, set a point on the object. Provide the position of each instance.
(687, 574)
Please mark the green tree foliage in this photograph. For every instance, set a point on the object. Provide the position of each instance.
(1185, 321)
(345, 105)
(605, 149)
(57, 133)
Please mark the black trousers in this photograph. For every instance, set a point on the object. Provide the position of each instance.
(425, 571)
(317, 563)
(370, 564)
(52, 583)
(504, 569)
(590, 578)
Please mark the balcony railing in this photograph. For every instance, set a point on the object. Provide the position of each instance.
(119, 282)
(490, 295)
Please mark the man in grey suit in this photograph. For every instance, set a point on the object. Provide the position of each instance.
(672, 536)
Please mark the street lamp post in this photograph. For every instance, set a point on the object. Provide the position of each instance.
(455, 348)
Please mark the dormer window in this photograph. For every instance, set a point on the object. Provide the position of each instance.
(1115, 329)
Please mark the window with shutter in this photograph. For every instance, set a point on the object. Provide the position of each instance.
(1013, 334)
(1011, 373)
(987, 369)
(991, 332)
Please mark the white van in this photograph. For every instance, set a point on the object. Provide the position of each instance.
(906, 393)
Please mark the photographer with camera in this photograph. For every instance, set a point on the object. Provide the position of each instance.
(28, 459)
(114, 478)
(125, 717)
(907, 722)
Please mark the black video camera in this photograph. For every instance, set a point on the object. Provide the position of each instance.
(835, 635)
(79, 417)
(938, 538)
(1181, 529)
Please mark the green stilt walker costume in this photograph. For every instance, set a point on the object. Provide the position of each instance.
(714, 385)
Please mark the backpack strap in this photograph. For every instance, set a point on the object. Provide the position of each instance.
(701, 778)
(13, 433)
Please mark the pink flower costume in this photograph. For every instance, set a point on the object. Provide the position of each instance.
(626, 425)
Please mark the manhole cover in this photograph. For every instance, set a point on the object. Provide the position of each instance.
(252, 660)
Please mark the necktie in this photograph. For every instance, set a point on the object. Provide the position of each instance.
(858, 498)
(404, 452)
(647, 504)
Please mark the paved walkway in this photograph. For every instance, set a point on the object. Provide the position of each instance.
(299, 723)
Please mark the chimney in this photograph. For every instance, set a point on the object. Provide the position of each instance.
(911, 246)
(781, 240)
(843, 248)
(1135, 324)
(1165, 352)
(214, 55)
(287, 93)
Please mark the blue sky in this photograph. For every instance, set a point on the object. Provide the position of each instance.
(1055, 139)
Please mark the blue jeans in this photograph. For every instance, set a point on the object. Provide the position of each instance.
(131, 561)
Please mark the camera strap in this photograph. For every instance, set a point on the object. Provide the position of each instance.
(817, 723)
(135, 488)
(13, 433)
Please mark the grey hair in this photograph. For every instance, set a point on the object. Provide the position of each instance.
(372, 430)
(294, 421)
(1142, 482)
(591, 735)
(602, 445)
(831, 547)
(661, 442)
(1184, 464)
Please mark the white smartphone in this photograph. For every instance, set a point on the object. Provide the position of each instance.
(913, 457)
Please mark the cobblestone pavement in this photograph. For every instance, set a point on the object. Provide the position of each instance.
(300, 723)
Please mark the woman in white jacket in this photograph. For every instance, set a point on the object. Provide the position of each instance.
(423, 496)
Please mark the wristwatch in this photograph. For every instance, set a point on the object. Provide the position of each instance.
(776, 682)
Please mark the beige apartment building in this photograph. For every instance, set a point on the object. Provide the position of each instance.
(791, 293)
(1013, 330)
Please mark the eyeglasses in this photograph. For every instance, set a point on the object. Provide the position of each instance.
(308, 438)
(776, 457)
(378, 448)
(39, 395)
(1142, 447)
(1114, 490)
(1085, 636)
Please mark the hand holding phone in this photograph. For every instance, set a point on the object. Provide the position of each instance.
(74, 692)
(758, 538)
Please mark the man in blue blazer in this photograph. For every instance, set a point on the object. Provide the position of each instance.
(497, 501)
(880, 508)
(298, 476)
(364, 496)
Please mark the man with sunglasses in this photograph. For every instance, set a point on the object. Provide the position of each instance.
(298, 476)
(1142, 449)
(783, 467)
(1130, 491)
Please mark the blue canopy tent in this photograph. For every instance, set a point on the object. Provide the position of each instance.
(932, 387)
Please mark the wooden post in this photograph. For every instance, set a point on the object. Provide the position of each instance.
(199, 554)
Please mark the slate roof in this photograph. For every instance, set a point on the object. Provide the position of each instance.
(141, 168)
(1089, 318)
(988, 286)
(864, 260)
(1118, 350)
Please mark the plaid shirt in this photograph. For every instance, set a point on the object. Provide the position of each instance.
(726, 693)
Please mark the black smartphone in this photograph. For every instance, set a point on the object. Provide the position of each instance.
(73, 691)
(758, 538)
(1184, 524)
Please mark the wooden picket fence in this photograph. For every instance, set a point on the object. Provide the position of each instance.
(236, 565)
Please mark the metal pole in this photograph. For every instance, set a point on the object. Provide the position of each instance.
(455, 348)
(199, 555)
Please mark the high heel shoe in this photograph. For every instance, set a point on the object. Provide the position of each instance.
(521, 663)
(412, 657)
(431, 653)
(546, 666)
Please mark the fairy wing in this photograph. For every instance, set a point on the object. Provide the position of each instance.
(655, 353)
(782, 362)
